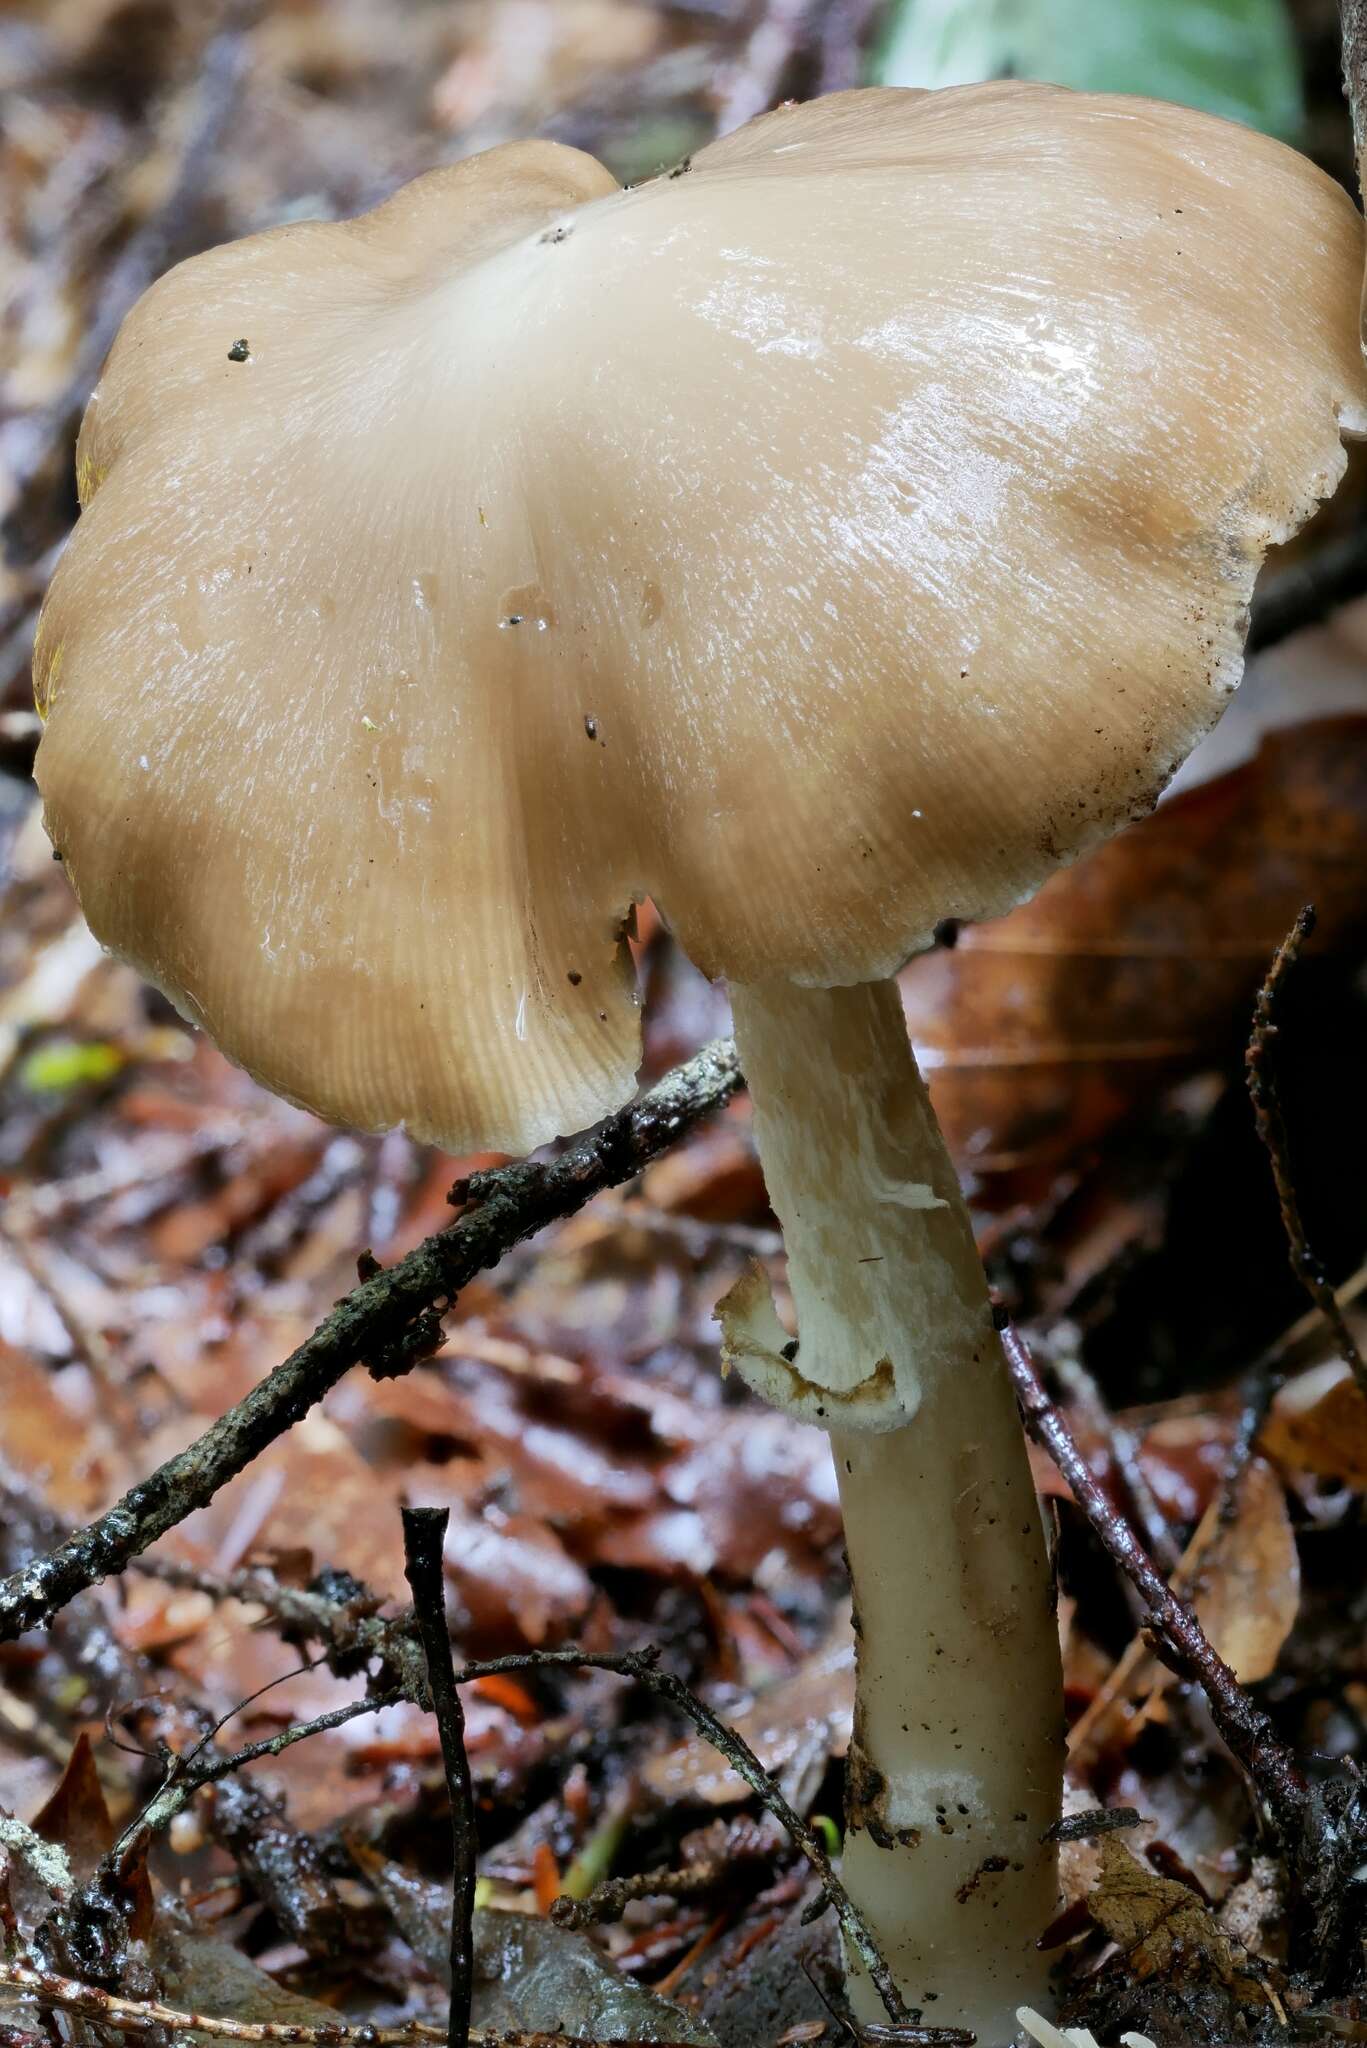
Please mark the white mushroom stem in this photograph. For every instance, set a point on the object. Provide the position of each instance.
(955, 1770)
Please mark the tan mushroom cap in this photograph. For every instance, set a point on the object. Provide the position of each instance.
(826, 540)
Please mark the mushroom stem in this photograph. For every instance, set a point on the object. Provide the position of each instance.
(955, 1769)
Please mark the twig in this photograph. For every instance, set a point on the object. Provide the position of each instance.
(770, 48)
(136, 2016)
(1178, 1637)
(610, 1899)
(1085, 1827)
(1084, 1393)
(387, 1318)
(1311, 590)
(641, 1666)
(335, 1610)
(1267, 1114)
(644, 1668)
(424, 1534)
(1259, 1386)
(221, 71)
(190, 1774)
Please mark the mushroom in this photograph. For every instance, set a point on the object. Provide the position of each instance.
(828, 538)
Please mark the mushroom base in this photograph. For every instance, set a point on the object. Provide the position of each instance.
(956, 1766)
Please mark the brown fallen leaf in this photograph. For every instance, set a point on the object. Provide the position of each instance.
(77, 1818)
(52, 1433)
(1318, 1424)
(1039, 1030)
(1247, 1577)
(77, 1815)
(1161, 1926)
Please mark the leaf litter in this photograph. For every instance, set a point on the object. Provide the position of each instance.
(168, 1233)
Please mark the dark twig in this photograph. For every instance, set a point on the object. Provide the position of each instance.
(1267, 1114)
(1309, 591)
(1178, 1638)
(376, 1320)
(221, 71)
(424, 1534)
(643, 1667)
(1085, 1827)
(1083, 1393)
(1259, 1386)
(610, 1899)
(335, 1611)
(191, 1773)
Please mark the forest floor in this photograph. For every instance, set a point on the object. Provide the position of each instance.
(169, 1234)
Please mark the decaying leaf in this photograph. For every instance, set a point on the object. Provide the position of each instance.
(1040, 1030)
(76, 1817)
(529, 1973)
(1318, 1424)
(1161, 1926)
(1247, 1578)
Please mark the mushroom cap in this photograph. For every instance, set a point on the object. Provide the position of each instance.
(828, 538)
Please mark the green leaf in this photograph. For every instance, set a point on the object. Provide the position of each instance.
(66, 1063)
(1230, 57)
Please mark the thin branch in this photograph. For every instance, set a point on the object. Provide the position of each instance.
(1178, 1637)
(644, 1668)
(356, 1634)
(1122, 1448)
(136, 2016)
(641, 1666)
(424, 1535)
(388, 1320)
(190, 1774)
(1267, 1114)
(346, 1621)
(610, 1899)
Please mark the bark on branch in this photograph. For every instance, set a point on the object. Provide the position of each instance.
(391, 1320)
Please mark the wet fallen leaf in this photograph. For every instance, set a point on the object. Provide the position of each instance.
(51, 1430)
(77, 1817)
(1161, 1926)
(1318, 1424)
(529, 1973)
(1247, 1583)
(1039, 1030)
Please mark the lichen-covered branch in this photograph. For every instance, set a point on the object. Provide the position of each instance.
(150, 2018)
(391, 1320)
